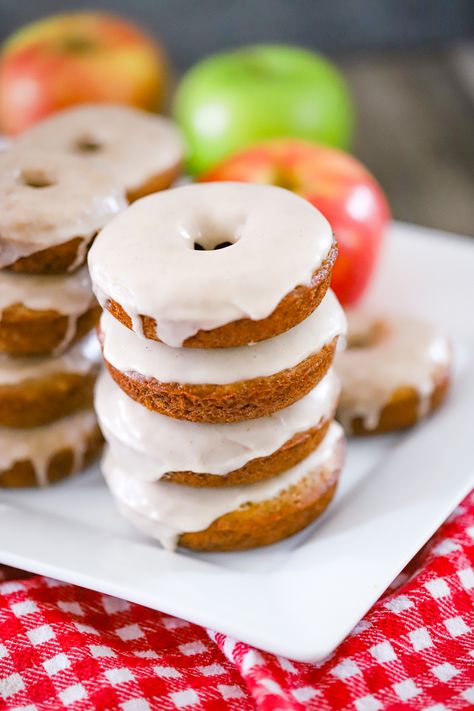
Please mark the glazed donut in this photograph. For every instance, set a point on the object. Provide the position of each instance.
(224, 384)
(154, 446)
(141, 150)
(393, 372)
(215, 265)
(231, 518)
(40, 315)
(43, 455)
(36, 391)
(51, 207)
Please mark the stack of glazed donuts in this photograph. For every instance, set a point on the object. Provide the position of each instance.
(51, 207)
(60, 183)
(219, 332)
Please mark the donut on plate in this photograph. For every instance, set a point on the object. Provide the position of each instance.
(43, 455)
(216, 265)
(143, 151)
(224, 384)
(230, 518)
(51, 208)
(40, 315)
(394, 371)
(209, 455)
(37, 390)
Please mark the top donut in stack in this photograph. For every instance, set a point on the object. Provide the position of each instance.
(218, 316)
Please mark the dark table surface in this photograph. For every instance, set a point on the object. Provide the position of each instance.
(416, 131)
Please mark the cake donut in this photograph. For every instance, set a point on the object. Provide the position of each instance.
(224, 384)
(219, 265)
(393, 372)
(51, 207)
(43, 455)
(143, 151)
(37, 390)
(199, 454)
(40, 314)
(230, 518)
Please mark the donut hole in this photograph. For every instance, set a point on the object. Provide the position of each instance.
(220, 245)
(368, 337)
(87, 144)
(36, 178)
(208, 233)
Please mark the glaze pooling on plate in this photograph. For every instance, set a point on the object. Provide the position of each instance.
(40, 444)
(276, 240)
(132, 145)
(164, 510)
(47, 199)
(83, 357)
(146, 358)
(384, 354)
(168, 445)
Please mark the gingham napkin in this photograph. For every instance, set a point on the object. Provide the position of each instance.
(63, 647)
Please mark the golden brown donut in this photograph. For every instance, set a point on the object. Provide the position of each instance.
(142, 150)
(292, 452)
(403, 408)
(394, 372)
(25, 331)
(51, 207)
(242, 400)
(214, 265)
(54, 260)
(244, 516)
(35, 391)
(292, 309)
(40, 314)
(59, 459)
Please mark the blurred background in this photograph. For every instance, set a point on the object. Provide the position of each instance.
(409, 65)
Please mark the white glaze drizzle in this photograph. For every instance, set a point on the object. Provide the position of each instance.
(129, 353)
(169, 445)
(78, 202)
(404, 352)
(146, 261)
(164, 510)
(83, 357)
(40, 444)
(133, 145)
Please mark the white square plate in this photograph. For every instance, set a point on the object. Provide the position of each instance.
(290, 598)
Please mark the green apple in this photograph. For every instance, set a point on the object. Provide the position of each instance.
(231, 100)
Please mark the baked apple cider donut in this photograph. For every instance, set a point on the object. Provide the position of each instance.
(40, 314)
(210, 455)
(143, 151)
(215, 265)
(230, 518)
(393, 372)
(224, 384)
(42, 455)
(51, 208)
(37, 390)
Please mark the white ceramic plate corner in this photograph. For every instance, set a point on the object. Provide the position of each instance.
(290, 598)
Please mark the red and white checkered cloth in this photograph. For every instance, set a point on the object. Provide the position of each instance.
(65, 647)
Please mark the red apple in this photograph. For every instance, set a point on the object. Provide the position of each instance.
(334, 182)
(70, 59)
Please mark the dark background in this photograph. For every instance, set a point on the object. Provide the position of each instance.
(409, 64)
